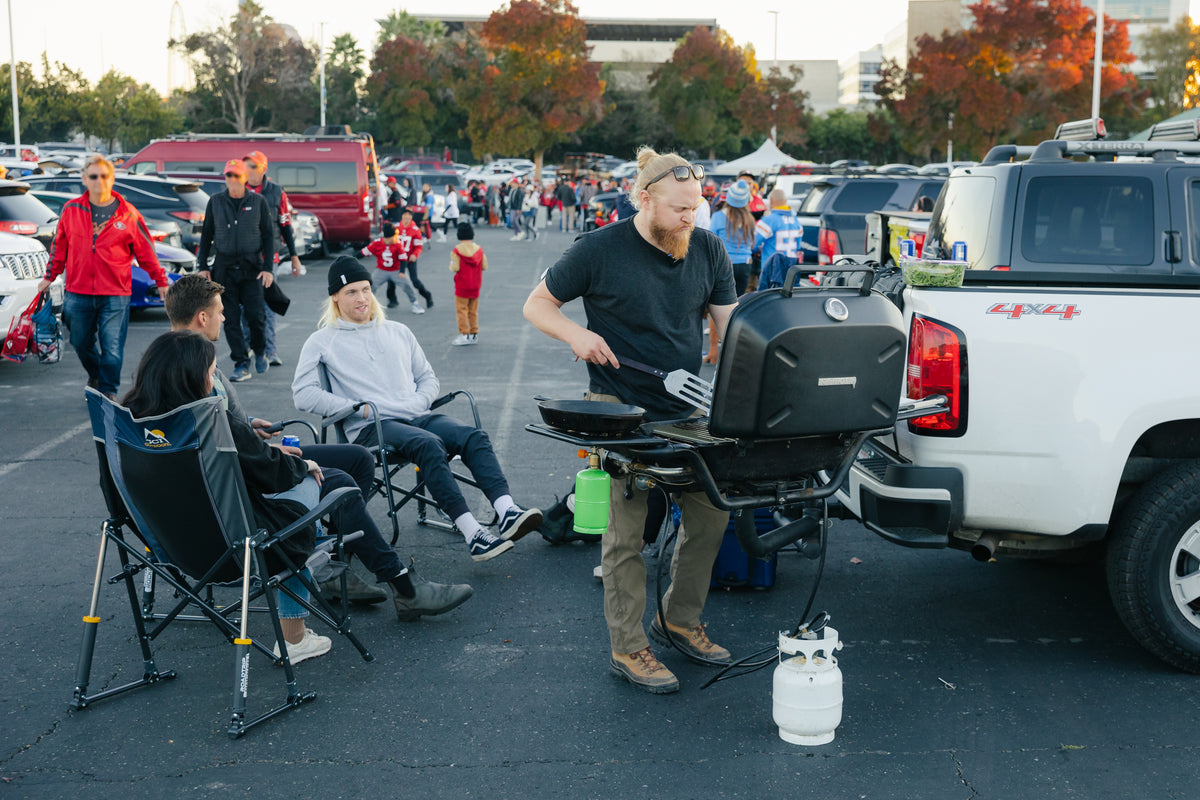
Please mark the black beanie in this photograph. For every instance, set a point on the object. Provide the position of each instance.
(465, 231)
(344, 271)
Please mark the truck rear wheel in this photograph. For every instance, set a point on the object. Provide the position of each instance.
(1154, 566)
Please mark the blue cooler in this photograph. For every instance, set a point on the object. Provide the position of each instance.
(734, 569)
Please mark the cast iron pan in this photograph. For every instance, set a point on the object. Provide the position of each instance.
(591, 417)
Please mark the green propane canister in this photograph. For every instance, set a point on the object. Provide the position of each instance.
(591, 497)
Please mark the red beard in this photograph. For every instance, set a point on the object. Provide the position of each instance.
(674, 242)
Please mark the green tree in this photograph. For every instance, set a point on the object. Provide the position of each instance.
(51, 106)
(344, 80)
(538, 86)
(251, 73)
(1174, 55)
(631, 118)
(775, 102)
(846, 134)
(401, 23)
(120, 109)
(702, 91)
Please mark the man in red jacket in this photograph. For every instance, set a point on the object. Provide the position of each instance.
(99, 235)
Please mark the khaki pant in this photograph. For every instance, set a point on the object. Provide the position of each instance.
(624, 570)
(467, 310)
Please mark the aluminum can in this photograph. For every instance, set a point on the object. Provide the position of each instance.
(959, 251)
(290, 441)
(908, 248)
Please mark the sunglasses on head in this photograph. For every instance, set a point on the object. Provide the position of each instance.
(681, 173)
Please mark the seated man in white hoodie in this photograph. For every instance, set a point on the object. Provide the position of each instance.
(368, 357)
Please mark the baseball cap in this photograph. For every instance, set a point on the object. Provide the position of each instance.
(257, 157)
(236, 167)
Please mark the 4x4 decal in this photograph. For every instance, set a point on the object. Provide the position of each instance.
(1065, 311)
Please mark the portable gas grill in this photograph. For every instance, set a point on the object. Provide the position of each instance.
(805, 377)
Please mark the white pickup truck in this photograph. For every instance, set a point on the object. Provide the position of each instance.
(1069, 359)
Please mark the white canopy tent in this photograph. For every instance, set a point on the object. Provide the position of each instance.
(761, 159)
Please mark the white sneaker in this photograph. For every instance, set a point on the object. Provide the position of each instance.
(597, 573)
(311, 646)
(441, 236)
(417, 308)
(518, 237)
(461, 339)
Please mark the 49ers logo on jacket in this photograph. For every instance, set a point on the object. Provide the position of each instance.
(1065, 311)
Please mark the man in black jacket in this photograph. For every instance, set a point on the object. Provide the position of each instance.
(281, 226)
(238, 228)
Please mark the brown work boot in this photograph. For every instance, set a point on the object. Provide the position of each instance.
(644, 671)
(693, 641)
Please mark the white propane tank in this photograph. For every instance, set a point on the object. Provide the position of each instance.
(807, 690)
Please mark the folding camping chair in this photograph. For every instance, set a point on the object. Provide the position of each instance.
(388, 462)
(173, 481)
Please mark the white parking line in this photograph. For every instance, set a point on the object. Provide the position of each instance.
(44, 448)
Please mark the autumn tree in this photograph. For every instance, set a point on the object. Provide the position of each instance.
(774, 102)
(251, 73)
(701, 91)
(1023, 67)
(1174, 55)
(537, 86)
(401, 91)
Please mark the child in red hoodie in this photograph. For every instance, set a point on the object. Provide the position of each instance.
(467, 262)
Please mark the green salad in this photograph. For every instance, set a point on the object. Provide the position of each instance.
(919, 272)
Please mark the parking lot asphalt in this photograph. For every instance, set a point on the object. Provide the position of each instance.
(961, 680)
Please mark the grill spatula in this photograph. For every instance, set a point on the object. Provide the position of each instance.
(680, 383)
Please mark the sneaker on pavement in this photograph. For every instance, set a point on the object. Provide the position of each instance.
(311, 646)
(485, 545)
(416, 308)
(429, 302)
(431, 598)
(472, 338)
(261, 364)
(693, 641)
(393, 304)
(358, 591)
(240, 374)
(598, 572)
(460, 340)
(644, 671)
(518, 237)
(274, 360)
(517, 522)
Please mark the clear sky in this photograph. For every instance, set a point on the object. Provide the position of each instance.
(131, 35)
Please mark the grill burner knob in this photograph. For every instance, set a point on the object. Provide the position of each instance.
(836, 310)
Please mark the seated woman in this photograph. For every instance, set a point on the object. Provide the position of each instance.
(177, 369)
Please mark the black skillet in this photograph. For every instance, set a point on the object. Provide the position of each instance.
(591, 417)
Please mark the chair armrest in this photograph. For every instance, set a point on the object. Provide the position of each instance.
(446, 398)
(341, 416)
(278, 426)
(327, 504)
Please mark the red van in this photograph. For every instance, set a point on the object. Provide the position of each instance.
(334, 177)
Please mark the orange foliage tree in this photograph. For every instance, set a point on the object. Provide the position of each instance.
(535, 86)
(401, 88)
(1024, 67)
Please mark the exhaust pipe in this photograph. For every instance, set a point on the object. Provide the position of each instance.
(985, 547)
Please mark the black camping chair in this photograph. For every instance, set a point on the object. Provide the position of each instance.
(388, 462)
(173, 482)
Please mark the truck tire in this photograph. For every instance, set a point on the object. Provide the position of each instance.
(1154, 566)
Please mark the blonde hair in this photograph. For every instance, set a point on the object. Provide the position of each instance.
(96, 158)
(332, 314)
(650, 165)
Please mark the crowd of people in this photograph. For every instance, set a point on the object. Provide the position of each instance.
(693, 254)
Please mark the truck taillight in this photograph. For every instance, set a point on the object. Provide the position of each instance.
(937, 364)
(828, 246)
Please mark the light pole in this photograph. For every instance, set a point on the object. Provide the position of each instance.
(775, 66)
(950, 140)
(1099, 59)
(322, 75)
(12, 73)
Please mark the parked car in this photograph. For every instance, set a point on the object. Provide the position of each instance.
(896, 169)
(23, 214)
(796, 187)
(160, 230)
(627, 169)
(165, 199)
(23, 262)
(143, 289)
(834, 215)
(522, 166)
(332, 176)
(492, 174)
(944, 167)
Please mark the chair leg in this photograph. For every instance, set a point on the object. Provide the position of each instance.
(91, 624)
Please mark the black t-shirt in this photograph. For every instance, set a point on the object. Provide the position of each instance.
(646, 305)
(101, 215)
